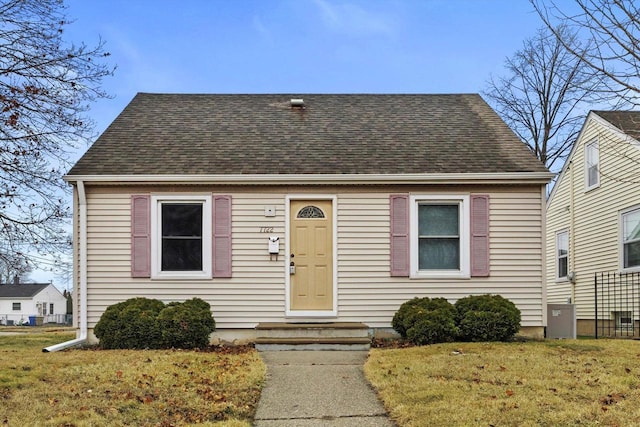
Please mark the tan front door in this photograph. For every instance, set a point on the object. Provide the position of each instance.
(312, 252)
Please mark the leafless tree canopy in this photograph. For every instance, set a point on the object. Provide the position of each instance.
(46, 86)
(541, 94)
(611, 31)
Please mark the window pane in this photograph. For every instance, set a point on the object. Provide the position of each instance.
(181, 237)
(631, 225)
(562, 267)
(563, 244)
(438, 220)
(439, 254)
(181, 254)
(181, 219)
(632, 254)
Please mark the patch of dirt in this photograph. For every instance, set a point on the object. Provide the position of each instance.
(390, 343)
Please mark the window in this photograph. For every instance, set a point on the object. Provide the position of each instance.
(631, 239)
(592, 161)
(623, 320)
(562, 254)
(181, 236)
(51, 308)
(439, 236)
(16, 306)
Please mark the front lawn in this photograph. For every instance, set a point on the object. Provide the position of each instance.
(551, 383)
(124, 387)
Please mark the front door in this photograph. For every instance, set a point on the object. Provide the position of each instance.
(312, 253)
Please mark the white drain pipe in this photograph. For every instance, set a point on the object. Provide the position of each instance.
(82, 291)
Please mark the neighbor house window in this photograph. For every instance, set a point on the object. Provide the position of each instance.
(623, 320)
(439, 236)
(51, 308)
(592, 160)
(182, 229)
(16, 306)
(562, 253)
(631, 239)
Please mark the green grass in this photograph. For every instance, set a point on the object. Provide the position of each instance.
(121, 387)
(551, 383)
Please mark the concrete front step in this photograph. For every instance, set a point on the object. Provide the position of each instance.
(312, 336)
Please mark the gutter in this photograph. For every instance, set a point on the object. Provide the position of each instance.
(82, 291)
(322, 179)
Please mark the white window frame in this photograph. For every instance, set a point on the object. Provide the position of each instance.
(595, 148)
(13, 306)
(156, 236)
(464, 221)
(624, 269)
(558, 235)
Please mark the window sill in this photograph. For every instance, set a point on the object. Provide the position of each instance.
(592, 188)
(185, 275)
(440, 275)
(630, 270)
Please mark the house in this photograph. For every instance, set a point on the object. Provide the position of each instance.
(593, 226)
(307, 208)
(20, 302)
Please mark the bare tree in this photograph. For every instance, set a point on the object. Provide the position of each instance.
(610, 30)
(13, 268)
(46, 86)
(541, 95)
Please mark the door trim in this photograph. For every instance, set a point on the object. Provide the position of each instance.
(334, 207)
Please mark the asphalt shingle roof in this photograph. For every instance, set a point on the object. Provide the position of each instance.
(627, 121)
(27, 290)
(174, 134)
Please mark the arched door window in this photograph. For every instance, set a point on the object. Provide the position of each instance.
(310, 212)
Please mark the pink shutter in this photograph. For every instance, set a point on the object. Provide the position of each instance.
(480, 235)
(140, 235)
(221, 236)
(399, 235)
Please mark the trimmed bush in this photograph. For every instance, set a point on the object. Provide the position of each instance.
(433, 327)
(425, 320)
(487, 318)
(130, 324)
(140, 323)
(187, 324)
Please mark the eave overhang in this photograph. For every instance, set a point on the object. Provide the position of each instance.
(510, 178)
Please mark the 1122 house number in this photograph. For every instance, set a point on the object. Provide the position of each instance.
(266, 229)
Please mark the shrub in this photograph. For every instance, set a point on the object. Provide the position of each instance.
(433, 327)
(187, 324)
(140, 323)
(425, 320)
(130, 324)
(487, 318)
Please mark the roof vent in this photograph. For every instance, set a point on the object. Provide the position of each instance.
(297, 104)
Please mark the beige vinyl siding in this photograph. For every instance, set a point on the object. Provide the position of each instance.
(596, 213)
(366, 292)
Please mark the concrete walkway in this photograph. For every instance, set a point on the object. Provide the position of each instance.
(318, 388)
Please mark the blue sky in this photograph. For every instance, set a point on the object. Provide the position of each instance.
(297, 46)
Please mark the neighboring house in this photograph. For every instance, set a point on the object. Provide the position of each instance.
(20, 302)
(593, 225)
(309, 208)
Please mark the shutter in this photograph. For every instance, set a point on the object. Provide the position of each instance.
(221, 236)
(399, 235)
(140, 235)
(479, 235)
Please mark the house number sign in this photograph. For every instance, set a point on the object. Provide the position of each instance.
(266, 229)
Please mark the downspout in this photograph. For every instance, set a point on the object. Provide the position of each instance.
(571, 267)
(82, 291)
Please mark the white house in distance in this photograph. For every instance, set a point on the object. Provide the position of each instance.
(593, 226)
(41, 300)
(307, 208)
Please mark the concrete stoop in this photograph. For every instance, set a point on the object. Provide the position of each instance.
(312, 336)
